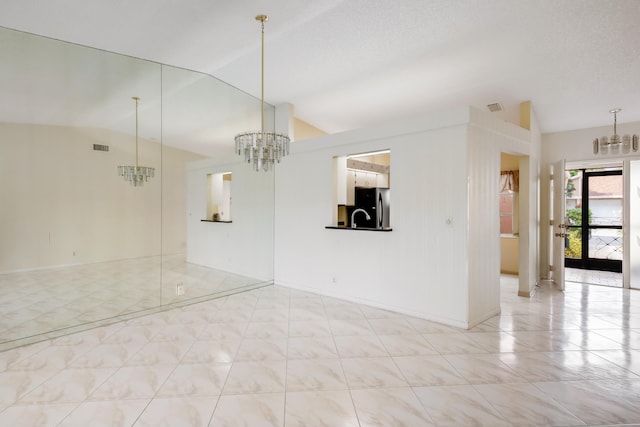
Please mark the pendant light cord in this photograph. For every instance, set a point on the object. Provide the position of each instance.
(135, 98)
(262, 19)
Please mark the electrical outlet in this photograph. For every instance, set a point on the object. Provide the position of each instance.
(179, 289)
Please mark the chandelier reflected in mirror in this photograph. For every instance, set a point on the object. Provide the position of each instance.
(262, 149)
(136, 175)
(616, 144)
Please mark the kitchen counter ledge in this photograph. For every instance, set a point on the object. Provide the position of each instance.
(342, 227)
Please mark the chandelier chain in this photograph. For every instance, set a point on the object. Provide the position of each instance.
(135, 98)
(136, 175)
(263, 149)
(262, 19)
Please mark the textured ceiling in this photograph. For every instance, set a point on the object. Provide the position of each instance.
(347, 64)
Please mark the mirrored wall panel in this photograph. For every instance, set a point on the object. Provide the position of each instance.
(205, 254)
(95, 154)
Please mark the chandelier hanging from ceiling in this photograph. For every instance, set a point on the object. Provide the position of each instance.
(136, 175)
(261, 148)
(617, 143)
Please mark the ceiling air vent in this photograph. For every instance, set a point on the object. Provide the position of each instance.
(100, 147)
(495, 107)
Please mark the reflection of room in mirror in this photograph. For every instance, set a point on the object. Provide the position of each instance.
(49, 300)
(77, 245)
(219, 196)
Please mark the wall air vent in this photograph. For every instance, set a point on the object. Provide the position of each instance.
(495, 107)
(100, 147)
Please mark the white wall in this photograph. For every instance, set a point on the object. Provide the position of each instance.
(529, 210)
(576, 145)
(225, 207)
(174, 198)
(483, 165)
(573, 146)
(436, 263)
(64, 203)
(488, 138)
(244, 246)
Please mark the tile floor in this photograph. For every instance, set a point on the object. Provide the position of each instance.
(56, 299)
(281, 357)
(593, 277)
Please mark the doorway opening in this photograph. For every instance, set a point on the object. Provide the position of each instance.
(513, 204)
(509, 214)
(594, 246)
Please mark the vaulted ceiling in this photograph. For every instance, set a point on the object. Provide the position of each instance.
(347, 64)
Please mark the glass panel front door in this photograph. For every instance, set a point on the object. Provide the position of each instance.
(605, 204)
(595, 220)
(573, 213)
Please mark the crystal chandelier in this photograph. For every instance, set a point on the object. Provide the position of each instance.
(136, 175)
(263, 149)
(626, 142)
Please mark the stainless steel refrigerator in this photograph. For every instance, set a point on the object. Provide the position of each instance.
(375, 201)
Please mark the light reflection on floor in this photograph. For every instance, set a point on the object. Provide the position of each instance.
(52, 301)
(280, 357)
(593, 277)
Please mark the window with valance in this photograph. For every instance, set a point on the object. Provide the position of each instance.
(509, 186)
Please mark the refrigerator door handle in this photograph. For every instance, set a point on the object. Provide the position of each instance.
(380, 214)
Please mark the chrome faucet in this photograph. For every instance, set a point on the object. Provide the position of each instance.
(353, 224)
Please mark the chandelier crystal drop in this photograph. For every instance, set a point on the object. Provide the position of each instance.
(136, 175)
(617, 143)
(262, 149)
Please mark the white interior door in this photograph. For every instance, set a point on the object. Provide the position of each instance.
(634, 224)
(559, 230)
